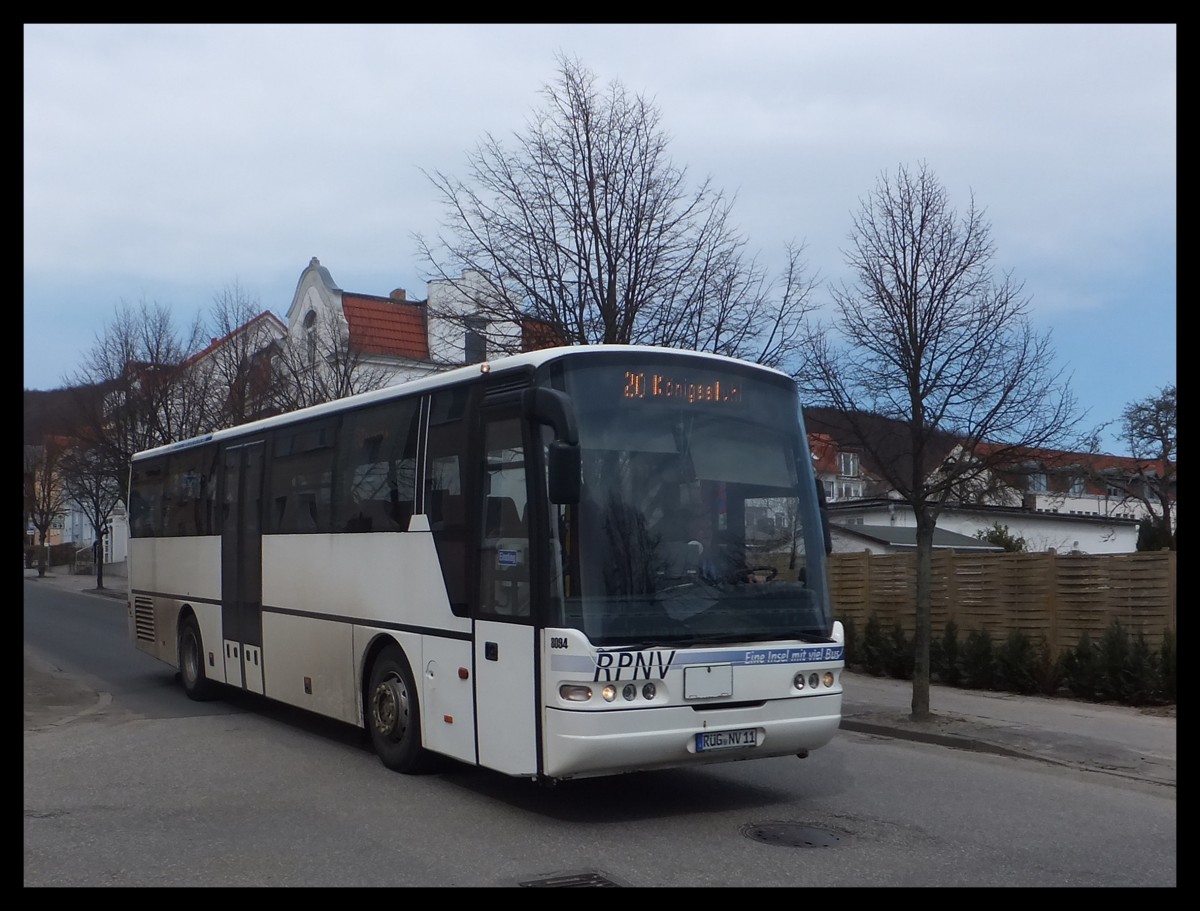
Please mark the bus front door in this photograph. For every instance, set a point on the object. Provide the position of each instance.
(505, 651)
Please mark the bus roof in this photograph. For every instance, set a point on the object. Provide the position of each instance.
(442, 379)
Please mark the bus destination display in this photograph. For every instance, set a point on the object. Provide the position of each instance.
(665, 387)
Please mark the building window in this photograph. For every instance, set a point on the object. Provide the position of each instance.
(848, 464)
(1077, 487)
(1037, 482)
(475, 340)
(1114, 491)
(310, 336)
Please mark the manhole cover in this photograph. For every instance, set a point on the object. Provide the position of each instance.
(572, 880)
(790, 835)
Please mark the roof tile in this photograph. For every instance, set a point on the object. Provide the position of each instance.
(381, 325)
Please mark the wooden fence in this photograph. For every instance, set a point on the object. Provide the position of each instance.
(1058, 596)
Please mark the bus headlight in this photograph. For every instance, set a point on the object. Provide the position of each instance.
(629, 692)
(828, 678)
(649, 691)
(609, 692)
(575, 692)
(813, 680)
(798, 681)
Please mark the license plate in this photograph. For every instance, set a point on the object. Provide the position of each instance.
(726, 740)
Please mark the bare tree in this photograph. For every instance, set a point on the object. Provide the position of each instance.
(933, 340)
(235, 370)
(96, 485)
(1149, 428)
(48, 500)
(588, 227)
(146, 397)
(322, 366)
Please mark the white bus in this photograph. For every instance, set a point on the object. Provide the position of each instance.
(573, 562)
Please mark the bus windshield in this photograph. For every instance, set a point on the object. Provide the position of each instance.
(698, 509)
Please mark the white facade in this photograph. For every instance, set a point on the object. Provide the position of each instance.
(458, 333)
(316, 310)
(1042, 531)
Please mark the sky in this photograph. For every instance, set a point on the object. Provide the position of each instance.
(167, 163)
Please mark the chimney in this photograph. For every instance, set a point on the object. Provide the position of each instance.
(399, 294)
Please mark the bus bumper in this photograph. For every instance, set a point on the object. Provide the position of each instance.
(589, 743)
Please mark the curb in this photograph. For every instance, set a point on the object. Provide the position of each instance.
(954, 741)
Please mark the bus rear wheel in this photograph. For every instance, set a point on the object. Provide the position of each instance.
(191, 662)
(393, 715)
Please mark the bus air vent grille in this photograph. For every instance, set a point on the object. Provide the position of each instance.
(143, 619)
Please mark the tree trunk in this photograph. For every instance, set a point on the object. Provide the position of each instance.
(922, 636)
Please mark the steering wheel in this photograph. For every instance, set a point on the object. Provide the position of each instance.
(743, 575)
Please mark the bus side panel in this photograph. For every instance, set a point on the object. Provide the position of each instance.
(165, 575)
(447, 710)
(389, 577)
(350, 583)
(308, 663)
(505, 655)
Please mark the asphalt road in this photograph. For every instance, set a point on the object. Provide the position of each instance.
(1136, 743)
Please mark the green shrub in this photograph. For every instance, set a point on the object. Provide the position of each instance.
(1047, 669)
(1143, 674)
(979, 661)
(875, 647)
(1166, 666)
(1112, 681)
(944, 656)
(1118, 668)
(851, 641)
(1015, 664)
(1081, 669)
(901, 657)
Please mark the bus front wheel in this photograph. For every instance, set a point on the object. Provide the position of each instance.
(191, 662)
(393, 715)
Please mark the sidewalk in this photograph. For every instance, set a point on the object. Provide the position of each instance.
(1137, 743)
(1111, 739)
(115, 584)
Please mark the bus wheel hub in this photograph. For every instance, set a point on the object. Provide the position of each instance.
(388, 708)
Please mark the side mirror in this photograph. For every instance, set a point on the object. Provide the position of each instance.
(552, 408)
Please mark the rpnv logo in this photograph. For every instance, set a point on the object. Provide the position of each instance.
(614, 665)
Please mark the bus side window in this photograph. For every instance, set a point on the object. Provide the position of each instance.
(376, 468)
(146, 499)
(301, 478)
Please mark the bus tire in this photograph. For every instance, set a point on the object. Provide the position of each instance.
(191, 662)
(393, 715)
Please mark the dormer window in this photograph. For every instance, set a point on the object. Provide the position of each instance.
(848, 464)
